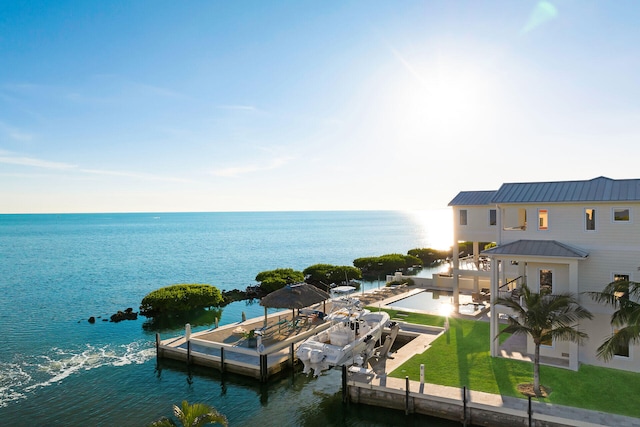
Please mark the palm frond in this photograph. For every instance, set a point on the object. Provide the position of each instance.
(622, 338)
(163, 422)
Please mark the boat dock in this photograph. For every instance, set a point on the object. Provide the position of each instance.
(229, 348)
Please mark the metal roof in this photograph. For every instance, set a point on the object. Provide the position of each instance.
(599, 189)
(543, 248)
(472, 198)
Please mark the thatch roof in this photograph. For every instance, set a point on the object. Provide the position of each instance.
(294, 296)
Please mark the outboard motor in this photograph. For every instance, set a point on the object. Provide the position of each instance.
(316, 356)
(303, 354)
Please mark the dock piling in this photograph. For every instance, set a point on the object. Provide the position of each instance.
(157, 345)
(345, 392)
(406, 396)
(464, 406)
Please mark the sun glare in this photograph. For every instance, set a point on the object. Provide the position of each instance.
(441, 103)
(436, 227)
(445, 309)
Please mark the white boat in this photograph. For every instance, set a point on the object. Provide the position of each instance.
(350, 340)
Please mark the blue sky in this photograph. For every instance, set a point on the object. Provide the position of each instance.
(309, 105)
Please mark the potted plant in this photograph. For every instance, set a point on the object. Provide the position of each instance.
(252, 340)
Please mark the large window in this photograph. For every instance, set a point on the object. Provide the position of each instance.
(543, 219)
(493, 217)
(514, 219)
(463, 217)
(590, 219)
(620, 277)
(546, 281)
(621, 215)
(622, 350)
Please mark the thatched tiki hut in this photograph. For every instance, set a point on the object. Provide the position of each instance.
(296, 296)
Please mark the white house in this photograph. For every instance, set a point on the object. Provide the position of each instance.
(570, 236)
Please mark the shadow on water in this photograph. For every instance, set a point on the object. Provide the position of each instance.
(296, 399)
(202, 317)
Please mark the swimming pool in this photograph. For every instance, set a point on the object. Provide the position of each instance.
(436, 302)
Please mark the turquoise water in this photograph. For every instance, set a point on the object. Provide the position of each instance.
(56, 271)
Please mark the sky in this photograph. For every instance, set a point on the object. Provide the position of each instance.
(170, 106)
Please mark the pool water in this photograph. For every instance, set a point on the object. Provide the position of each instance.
(435, 302)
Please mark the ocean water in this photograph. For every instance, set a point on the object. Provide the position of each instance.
(56, 271)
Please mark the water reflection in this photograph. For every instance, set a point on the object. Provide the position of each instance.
(201, 317)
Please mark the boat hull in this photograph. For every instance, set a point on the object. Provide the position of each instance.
(348, 342)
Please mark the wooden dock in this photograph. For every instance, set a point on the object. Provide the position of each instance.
(227, 348)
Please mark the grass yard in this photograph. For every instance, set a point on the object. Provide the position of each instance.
(461, 358)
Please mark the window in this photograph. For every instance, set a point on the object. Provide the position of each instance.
(622, 349)
(463, 217)
(543, 219)
(621, 215)
(493, 217)
(546, 281)
(624, 291)
(620, 277)
(590, 219)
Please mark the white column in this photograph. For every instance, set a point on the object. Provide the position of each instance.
(493, 314)
(456, 276)
(476, 261)
(574, 348)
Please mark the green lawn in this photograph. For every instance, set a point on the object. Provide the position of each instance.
(461, 358)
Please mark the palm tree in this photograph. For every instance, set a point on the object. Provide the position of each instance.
(195, 415)
(623, 295)
(545, 317)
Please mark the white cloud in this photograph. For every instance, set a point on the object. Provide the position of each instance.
(237, 107)
(137, 175)
(12, 159)
(6, 158)
(253, 167)
(15, 133)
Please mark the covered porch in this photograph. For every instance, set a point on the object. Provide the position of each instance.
(541, 264)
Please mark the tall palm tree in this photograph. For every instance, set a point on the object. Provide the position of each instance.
(195, 415)
(623, 295)
(545, 317)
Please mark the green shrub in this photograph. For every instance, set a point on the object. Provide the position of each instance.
(272, 280)
(386, 264)
(327, 273)
(179, 298)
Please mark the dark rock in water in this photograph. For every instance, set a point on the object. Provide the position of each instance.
(128, 314)
(92, 319)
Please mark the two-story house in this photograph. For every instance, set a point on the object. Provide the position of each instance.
(570, 236)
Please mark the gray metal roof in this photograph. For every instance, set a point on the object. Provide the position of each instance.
(473, 198)
(599, 189)
(543, 248)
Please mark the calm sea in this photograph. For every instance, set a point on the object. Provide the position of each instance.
(56, 271)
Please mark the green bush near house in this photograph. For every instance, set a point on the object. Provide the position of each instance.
(180, 298)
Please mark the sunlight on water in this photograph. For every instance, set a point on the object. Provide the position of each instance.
(436, 227)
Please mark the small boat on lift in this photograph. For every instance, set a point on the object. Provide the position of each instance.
(350, 340)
